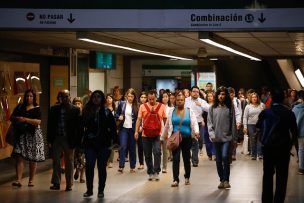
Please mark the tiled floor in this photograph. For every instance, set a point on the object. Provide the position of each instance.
(246, 182)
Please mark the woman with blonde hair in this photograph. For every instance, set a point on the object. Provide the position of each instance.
(126, 114)
(250, 118)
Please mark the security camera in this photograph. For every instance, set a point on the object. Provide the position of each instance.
(202, 53)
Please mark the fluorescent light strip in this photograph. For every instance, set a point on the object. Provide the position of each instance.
(208, 41)
(131, 49)
(213, 59)
(300, 76)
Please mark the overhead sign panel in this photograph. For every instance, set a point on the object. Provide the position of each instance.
(133, 19)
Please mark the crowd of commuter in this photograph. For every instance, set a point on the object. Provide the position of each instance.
(95, 127)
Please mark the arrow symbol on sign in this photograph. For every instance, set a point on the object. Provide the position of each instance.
(262, 19)
(71, 19)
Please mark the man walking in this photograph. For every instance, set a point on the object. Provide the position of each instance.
(197, 105)
(151, 114)
(276, 124)
(63, 134)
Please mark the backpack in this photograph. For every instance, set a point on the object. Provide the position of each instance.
(268, 135)
(152, 123)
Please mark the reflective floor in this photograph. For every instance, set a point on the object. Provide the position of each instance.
(245, 179)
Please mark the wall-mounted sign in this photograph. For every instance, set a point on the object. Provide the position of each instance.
(148, 19)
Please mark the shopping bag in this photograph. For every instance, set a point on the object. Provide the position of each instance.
(245, 144)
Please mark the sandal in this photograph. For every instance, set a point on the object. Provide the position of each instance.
(30, 184)
(174, 184)
(16, 184)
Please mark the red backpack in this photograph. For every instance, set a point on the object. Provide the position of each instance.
(152, 123)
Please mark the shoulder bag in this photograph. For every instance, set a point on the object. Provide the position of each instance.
(175, 139)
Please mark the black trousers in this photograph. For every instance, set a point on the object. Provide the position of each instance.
(275, 162)
(140, 150)
(185, 147)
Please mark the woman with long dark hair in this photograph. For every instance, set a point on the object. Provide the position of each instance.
(111, 106)
(26, 119)
(100, 133)
(127, 115)
(182, 119)
(165, 99)
(222, 127)
(143, 97)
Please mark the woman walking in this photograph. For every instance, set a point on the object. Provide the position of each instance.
(100, 133)
(184, 120)
(127, 115)
(143, 97)
(164, 99)
(26, 119)
(111, 106)
(250, 118)
(222, 128)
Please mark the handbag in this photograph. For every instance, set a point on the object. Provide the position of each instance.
(11, 135)
(175, 139)
(245, 145)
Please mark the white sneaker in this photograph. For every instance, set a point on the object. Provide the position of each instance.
(156, 176)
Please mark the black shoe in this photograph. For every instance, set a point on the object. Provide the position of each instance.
(68, 188)
(55, 187)
(195, 165)
(88, 194)
(16, 184)
(76, 175)
(100, 195)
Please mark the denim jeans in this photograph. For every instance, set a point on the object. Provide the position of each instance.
(185, 147)
(127, 141)
(152, 145)
(301, 154)
(101, 155)
(195, 145)
(209, 145)
(222, 160)
(255, 145)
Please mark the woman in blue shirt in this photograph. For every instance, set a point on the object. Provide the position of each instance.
(189, 130)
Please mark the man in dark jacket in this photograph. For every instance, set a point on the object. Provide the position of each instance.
(276, 124)
(63, 135)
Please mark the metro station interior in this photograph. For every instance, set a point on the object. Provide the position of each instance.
(61, 59)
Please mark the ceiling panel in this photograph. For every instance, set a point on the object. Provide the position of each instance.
(182, 43)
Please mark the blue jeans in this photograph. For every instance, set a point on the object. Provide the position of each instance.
(101, 155)
(209, 145)
(127, 141)
(152, 144)
(195, 145)
(255, 145)
(222, 160)
(301, 154)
